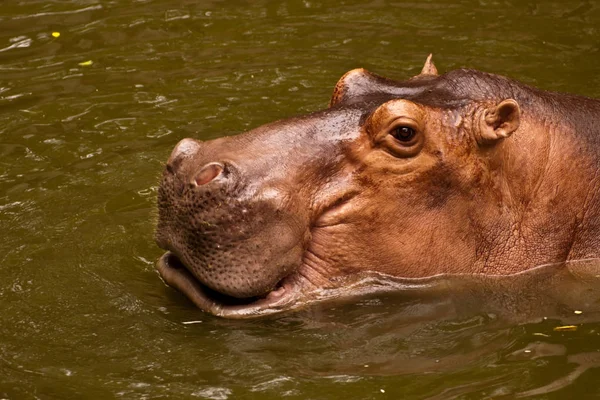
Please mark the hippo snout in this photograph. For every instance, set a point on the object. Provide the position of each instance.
(215, 217)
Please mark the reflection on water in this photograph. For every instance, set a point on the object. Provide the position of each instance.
(559, 290)
(82, 144)
(498, 328)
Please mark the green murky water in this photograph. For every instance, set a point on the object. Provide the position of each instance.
(82, 312)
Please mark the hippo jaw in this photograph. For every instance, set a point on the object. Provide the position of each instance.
(241, 276)
(307, 281)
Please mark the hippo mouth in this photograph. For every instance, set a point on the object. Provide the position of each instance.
(284, 296)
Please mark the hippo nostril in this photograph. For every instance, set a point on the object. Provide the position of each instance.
(208, 173)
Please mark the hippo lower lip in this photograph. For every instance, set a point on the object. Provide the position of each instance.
(175, 274)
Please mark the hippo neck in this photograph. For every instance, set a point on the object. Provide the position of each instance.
(576, 164)
(546, 180)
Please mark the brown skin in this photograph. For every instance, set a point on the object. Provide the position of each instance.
(463, 173)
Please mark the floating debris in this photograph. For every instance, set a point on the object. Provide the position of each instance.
(86, 63)
(540, 334)
(55, 34)
(191, 322)
(565, 328)
(578, 312)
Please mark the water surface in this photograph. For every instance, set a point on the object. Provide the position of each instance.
(87, 120)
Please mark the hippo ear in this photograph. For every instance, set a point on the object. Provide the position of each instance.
(499, 122)
(429, 68)
(355, 83)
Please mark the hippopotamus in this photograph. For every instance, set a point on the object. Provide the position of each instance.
(464, 173)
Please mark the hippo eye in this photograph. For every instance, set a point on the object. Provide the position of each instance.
(404, 133)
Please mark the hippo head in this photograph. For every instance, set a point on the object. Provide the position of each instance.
(404, 178)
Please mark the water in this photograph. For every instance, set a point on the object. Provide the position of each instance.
(83, 313)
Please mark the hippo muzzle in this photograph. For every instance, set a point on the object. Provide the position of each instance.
(230, 239)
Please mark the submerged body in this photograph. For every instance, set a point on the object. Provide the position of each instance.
(463, 173)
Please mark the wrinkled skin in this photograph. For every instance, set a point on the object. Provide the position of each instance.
(461, 173)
